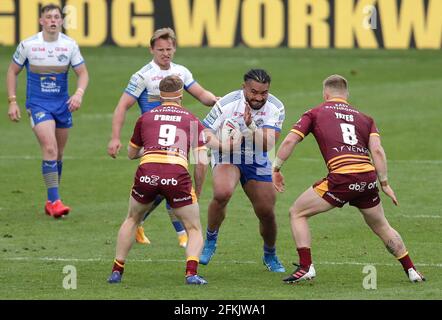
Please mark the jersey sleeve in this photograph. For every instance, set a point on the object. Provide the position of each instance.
(188, 78)
(373, 128)
(304, 125)
(198, 138)
(136, 140)
(214, 118)
(136, 86)
(76, 58)
(275, 120)
(20, 54)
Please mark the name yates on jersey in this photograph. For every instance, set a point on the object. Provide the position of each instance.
(346, 117)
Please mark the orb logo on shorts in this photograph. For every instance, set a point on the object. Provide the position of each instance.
(155, 180)
(361, 186)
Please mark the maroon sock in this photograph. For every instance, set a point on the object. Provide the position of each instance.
(406, 262)
(118, 266)
(191, 267)
(305, 257)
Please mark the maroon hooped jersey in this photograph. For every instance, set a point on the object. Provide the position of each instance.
(342, 133)
(167, 133)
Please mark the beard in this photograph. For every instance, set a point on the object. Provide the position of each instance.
(255, 104)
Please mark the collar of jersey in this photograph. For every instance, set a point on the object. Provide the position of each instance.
(171, 104)
(337, 100)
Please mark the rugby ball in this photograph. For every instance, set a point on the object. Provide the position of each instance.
(230, 130)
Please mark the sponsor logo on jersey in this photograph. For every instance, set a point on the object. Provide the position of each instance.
(40, 115)
(157, 78)
(259, 122)
(36, 49)
(212, 116)
(62, 58)
(155, 180)
(137, 193)
(49, 85)
(182, 199)
(353, 149)
(334, 197)
(16, 55)
(361, 186)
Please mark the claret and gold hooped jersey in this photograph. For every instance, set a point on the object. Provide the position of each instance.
(168, 133)
(342, 133)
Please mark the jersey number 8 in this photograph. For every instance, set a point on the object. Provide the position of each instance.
(349, 134)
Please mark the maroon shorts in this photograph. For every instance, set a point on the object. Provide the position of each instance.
(359, 189)
(170, 180)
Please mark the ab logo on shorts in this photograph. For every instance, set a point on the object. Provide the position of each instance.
(155, 180)
(361, 186)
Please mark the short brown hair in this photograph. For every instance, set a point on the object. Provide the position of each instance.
(50, 7)
(163, 33)
(335, 83)
(171, 83)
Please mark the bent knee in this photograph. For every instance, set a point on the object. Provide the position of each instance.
(222, 196)
(295, 212)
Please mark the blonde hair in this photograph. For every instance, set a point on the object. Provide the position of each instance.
(336, 84)
(163, 33)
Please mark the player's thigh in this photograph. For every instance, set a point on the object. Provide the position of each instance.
(137, 209)
(189, 216)
(261, 194)
(374, 216)
(225, 178)
(309, 203)
(45, 133)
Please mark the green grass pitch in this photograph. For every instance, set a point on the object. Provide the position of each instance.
(400, 89)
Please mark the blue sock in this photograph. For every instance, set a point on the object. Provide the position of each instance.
(60, 169)
(178, 226)
(269, 250)
(212, 235)
(49, 169)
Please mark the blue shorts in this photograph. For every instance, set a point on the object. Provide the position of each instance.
(254, 172)
(59, 112)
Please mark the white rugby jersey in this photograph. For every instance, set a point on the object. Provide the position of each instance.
(144, 84)
(47, 65)
(232, 105)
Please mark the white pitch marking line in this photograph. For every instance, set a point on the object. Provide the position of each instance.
(437, 265)
(37, 157)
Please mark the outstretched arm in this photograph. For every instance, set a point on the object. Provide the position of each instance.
(126, 101)
(285, 150)
(380, 164)
(204, 96)
(11, 84)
